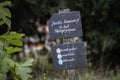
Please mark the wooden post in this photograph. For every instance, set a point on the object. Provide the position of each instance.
(72, 73)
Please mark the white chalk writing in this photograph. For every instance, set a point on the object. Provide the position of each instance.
(69, 49)
(71, 21)
(64, 26)
(69, 54)
(64, 30)
(68, 60)
(56, 23)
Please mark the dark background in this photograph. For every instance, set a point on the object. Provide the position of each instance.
(100, 22)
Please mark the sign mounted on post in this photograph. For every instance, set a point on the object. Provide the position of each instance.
(65, 25)
(69, 56)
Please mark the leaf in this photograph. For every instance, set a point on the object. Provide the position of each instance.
(1, 55)
(11, 50)
(16, 42)
(24, 69)
(6, 12)
(2, 22)
(4, 67)
(23, 72)
(10, 62)
(1, 45)
(5, 3)
(3, 77)
(16, 35)
(7, 63)
(6, 20)
(28, 62)
(14, 38)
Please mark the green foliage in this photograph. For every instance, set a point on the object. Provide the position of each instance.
(13, 38)
(23, 69)
(100, 21)
(5, 14)
(11, 50)
(19, 70)
(101, 29)
(83, 75)
(10, 42)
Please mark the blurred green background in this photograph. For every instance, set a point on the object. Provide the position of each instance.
(101, 29)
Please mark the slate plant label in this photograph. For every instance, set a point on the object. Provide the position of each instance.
(69, 56)
(65, 25)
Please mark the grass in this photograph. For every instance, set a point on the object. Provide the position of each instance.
(45, 71)
(85, 75)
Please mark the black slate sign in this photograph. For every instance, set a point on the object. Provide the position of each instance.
(69, 56)
(65, 25)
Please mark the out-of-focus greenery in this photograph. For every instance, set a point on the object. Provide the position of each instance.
(100, 21)
(5, 14)
(45, 71)
(101, 29)
(84, 76)
(10, 42)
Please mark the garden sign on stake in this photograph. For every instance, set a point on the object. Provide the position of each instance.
(70, 55)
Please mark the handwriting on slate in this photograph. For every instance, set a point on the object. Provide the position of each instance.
(70, 52)
(64, 26)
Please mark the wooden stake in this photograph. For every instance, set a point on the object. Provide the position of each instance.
(72, 73)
